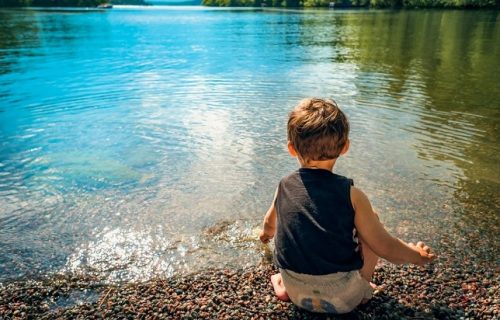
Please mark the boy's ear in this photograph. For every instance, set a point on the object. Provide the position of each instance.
(346, 147)
(291, 149)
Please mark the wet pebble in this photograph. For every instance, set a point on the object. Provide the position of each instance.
(449, 291)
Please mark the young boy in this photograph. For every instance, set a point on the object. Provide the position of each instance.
(327, 236)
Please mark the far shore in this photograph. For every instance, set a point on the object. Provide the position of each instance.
(260, 8)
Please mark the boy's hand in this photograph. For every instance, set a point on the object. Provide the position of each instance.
(269, 225)
(265, 237)
(425, 253)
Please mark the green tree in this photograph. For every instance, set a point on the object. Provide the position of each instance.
(15, 3)
(51, 3)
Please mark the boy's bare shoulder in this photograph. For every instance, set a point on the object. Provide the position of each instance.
(358, 197)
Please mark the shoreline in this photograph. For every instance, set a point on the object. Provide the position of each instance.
(440, 291)
(263, 9)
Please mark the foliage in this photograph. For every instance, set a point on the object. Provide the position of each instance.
(449, 3)
(386, 3)
(15, 3)
(355, 3)
(51, 3)
(360, 3)
(276, 3)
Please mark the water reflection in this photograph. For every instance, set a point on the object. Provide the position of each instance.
(151, 141)
(18, 36)
(440, 68)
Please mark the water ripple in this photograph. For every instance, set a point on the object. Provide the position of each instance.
(142, 141)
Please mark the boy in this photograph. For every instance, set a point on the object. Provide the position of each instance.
(327, 236)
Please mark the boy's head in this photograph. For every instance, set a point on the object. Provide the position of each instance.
(318, 130)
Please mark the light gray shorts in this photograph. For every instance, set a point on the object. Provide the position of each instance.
(338, 292)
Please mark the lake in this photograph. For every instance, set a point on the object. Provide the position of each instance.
(145, 141)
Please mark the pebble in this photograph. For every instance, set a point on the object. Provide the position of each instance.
(449, 292)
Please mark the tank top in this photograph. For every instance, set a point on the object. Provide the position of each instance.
(315, 228)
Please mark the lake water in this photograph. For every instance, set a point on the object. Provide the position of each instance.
(149, 141)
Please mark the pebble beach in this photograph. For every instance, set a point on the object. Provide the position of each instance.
(439, 291)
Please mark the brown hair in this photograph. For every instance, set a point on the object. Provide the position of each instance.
(318, 129)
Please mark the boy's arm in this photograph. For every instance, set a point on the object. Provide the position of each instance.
(269, 226)
(373, 233)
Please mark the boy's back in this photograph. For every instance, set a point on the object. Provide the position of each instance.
(316, 215)
(316, 219)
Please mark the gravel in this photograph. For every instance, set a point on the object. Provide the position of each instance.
(443, 290)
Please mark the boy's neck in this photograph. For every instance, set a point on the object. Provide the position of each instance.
(319, 164)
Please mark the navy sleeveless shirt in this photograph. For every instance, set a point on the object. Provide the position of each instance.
(315, 232)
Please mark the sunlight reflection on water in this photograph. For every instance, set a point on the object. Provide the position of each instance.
(149, 142)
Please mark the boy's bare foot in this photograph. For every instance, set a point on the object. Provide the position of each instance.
(374, 286)
(279, 288)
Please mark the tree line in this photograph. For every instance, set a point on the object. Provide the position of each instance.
(51, 3)
(276, 3)
(356, 3)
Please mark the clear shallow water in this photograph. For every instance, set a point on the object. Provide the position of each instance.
(146, 141)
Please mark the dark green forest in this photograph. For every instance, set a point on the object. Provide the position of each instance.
(51, 3)
(357, 3)
(275, 3)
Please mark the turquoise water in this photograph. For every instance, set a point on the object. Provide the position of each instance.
(144, 141)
